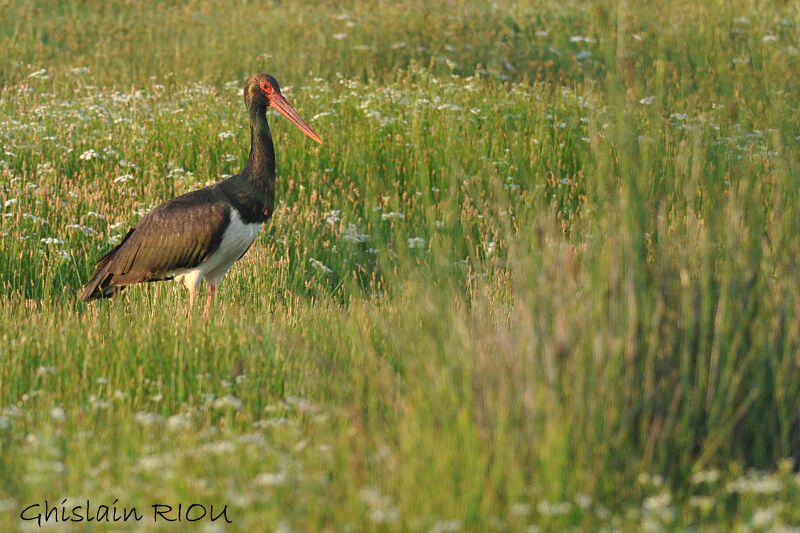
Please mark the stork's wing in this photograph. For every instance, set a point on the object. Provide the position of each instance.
(180, 233)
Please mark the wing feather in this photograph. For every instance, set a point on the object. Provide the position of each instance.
(180, 233)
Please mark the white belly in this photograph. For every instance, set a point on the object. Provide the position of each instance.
(235, 241)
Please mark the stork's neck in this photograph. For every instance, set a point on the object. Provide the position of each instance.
(261, 163)
(252, 192)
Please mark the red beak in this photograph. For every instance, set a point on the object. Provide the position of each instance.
(279, 102)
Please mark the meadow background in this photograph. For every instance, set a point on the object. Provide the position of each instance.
(543, 273)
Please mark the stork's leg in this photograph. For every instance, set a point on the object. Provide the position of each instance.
(192, 292)
(211, 290)
(191, 281)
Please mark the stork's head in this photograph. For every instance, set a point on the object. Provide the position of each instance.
(263, 90)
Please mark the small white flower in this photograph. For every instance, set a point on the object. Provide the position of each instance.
(179, 422)
(9, 202)
(647, 100)
(51, 240)
(331, 217)
(416, 242)
(390, 215)
(446, 526)
(57, 413)
(384, 516)
(40, 74)
(520, 509)
(228, 402)
(755, 484)
(764, 517)
(320, 266)
(270, 479)
(146, 419)
(552, 509)
(659, 501)
(88, 155)
(123, 178)
(705, 476)
(352, 234)
(583, 501)
(225, 135)
(318, 116)
(338, 36)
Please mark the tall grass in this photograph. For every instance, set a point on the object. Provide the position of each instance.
(543, 271)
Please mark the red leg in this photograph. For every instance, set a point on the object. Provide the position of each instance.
(211, 291)
(191, 305)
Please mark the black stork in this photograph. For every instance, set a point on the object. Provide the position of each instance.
(199, 235)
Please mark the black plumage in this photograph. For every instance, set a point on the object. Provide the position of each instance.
(183, 233)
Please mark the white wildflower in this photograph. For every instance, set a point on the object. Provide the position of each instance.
(270, 479)
(331, 217)
(705, 476)
(146, 419)
(220, 447)
(520, 509)
(703, 503)
(647, 100)
(9, 202)
(320, 266)
(755, 484)
(447, 526)
(40, 74)
(392, 214)
(57, 413)
(318, 116)
(338, 36)
(416, 242)
(552, 509)
(659, 501)
(584, 501)
(384, 516)
(228, 402)
(179, 422)
(764, 517)
(88, 155)
(51, 240)
(225, 135)
(352, 234)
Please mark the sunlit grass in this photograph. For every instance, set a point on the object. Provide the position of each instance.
(542, 273)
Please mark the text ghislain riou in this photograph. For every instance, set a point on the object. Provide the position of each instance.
(47, 514)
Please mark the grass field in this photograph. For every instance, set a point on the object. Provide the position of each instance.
(542, 275)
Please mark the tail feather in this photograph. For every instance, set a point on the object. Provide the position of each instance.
(100, 285)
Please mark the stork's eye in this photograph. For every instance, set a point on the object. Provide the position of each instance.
(266, 87)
